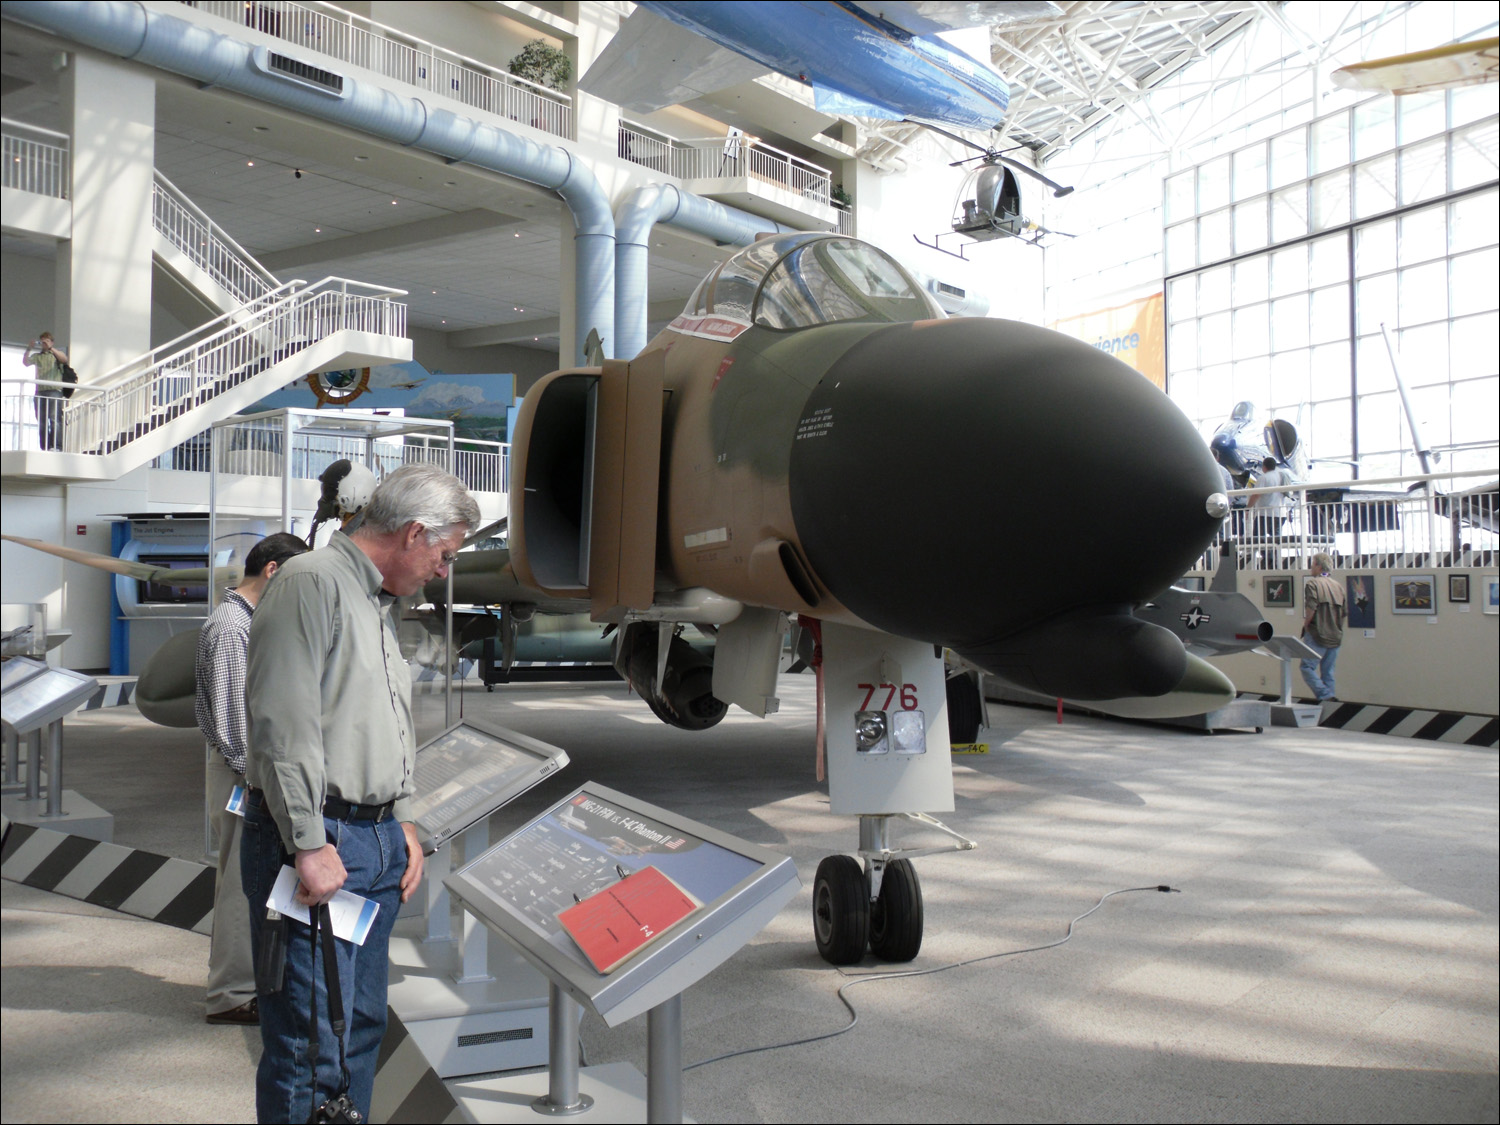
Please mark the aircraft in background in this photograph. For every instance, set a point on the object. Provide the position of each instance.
(1439, 68)
(862, 60)
(1242, 443)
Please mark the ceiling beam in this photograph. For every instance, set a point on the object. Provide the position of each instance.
(527, 330)
(405, 236)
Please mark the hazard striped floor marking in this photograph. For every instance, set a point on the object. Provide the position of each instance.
(113, 691)
(407, 1089)
(176, 892)
(1411, 722)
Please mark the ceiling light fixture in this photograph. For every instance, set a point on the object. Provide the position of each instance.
(249, 164)
(317, 230)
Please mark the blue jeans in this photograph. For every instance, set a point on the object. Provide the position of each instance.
(374, 855)
(1319, 673)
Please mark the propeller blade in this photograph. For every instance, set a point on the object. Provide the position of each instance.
(1058, 190)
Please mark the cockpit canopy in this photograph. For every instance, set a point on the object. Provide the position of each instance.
(799, 280)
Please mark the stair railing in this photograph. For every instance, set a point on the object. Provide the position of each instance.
(265, 333)
(184, 224)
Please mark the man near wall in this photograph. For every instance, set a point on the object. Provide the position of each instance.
(331, 756)
(219, 673)
(1322, 627)
(48, 359)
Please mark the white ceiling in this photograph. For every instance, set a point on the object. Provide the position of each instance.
(473, 249)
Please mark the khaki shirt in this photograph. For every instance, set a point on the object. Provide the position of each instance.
(327, 694)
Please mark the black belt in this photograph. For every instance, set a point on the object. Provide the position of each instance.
(335, 807)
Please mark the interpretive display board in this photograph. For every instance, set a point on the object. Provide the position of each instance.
(595, 838)
(34, 695)
(469, 771)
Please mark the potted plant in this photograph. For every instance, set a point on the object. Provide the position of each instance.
(544, 64)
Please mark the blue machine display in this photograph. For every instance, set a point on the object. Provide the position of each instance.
(858, 59)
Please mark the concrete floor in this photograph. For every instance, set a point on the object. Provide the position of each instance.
(1332, 955)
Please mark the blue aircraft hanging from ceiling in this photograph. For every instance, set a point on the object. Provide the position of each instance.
(880, 62)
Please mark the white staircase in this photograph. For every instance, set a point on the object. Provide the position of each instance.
(267, 335)
(200, 254)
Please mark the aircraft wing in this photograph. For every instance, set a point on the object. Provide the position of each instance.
(1440, 68)
(144, 572)
(1209, 622)
(653, 62)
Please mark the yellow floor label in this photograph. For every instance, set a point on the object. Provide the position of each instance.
(971, 747)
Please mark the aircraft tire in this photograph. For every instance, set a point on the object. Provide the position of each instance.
(896, 916)
(964, 708)
(841, 910)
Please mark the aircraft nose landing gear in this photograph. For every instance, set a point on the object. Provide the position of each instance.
(877, 906)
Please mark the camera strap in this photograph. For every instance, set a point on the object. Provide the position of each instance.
(323, 923)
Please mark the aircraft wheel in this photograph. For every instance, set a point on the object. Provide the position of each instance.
(841, 910)
(896, 916)
(964, 708)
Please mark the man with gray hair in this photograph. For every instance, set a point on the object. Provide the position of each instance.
(1322, 627)
(331, 755)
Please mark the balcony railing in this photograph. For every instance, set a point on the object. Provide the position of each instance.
(36, 159)
(1435, 520)
(845, 218)
(205, 243)
(253, 448)
(724, 157)
(404, 58)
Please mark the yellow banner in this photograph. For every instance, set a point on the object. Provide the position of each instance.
(1134, 333)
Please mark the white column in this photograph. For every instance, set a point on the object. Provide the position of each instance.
(567, 295)
(104, 271)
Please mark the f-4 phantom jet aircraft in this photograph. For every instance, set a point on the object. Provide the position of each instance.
(812, 437)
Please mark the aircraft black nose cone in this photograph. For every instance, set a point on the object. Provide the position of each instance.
(960, 480)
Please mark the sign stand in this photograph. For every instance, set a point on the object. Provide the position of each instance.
(586, 845)
(35, 698)
(471, 1006)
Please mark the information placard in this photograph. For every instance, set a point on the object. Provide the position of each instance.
(469, 771)
(31, 702)
(594, 838)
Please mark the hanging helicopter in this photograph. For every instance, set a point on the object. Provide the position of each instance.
(988, 204)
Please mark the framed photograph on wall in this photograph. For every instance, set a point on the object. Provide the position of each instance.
(1361, 600)
(1414, 593)
(1489, 592)
(1277, 591)
(1458, 587)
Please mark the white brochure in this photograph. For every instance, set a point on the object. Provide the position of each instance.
(352, 916)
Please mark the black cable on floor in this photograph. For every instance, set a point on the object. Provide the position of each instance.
(867, 978)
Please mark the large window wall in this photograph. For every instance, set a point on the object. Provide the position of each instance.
(1284, 257)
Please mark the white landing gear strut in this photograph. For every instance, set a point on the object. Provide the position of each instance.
(888, 756)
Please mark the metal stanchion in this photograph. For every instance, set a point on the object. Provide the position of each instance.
(33, 765)
(664, 1062)
(54, 769)
(562, 1096)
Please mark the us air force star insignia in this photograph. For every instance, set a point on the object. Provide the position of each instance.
(1195, 617)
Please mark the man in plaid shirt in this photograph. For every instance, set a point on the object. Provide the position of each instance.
(220, 710)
